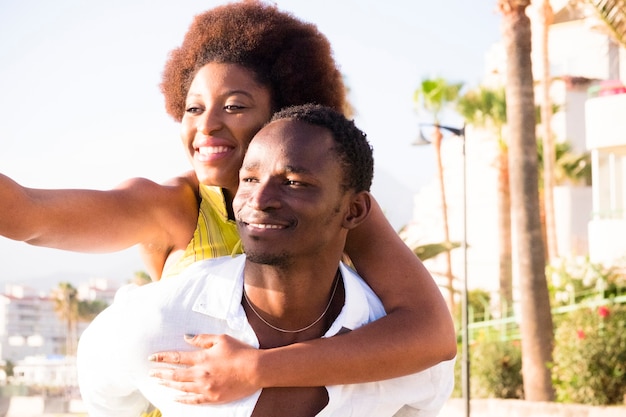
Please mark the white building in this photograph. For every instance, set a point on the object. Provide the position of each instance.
(102, 289)
(590, 69)
(606, 137)
(426, 226)
(29, 325)
(46, 371)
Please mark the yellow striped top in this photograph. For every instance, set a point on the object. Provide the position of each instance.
(215, 234)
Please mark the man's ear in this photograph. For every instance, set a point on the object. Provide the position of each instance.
(360, 207)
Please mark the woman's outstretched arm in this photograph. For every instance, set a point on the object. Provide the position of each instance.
(417, 333)
(138, 211)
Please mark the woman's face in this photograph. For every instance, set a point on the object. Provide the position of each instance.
(225, 107)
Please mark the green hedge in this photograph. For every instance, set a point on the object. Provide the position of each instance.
(590, 356)
(495, 370)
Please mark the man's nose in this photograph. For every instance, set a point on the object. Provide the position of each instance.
(266, 195)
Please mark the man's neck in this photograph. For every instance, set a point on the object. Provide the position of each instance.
(285, 305)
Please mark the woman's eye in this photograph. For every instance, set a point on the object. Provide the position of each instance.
(233, 107)
(193, 109)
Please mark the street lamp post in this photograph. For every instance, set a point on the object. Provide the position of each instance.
(465, 370)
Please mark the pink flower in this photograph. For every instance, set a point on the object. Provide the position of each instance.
(580, 334)
(603, 311)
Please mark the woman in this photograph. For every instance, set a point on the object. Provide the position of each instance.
(237, 65)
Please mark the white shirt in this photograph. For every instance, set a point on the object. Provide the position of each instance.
(113, 352)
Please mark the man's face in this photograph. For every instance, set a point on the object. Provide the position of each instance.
(290, 201)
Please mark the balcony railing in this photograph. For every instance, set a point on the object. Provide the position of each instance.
(609, 215)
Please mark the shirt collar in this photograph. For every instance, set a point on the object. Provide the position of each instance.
(223, 289)
(355, 311)
(221, 294)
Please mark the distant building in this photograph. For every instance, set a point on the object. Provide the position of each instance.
(98, 289)
(46, 371)
(29, 324)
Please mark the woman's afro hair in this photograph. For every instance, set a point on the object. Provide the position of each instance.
(289, 56)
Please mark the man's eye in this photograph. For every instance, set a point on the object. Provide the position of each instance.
(295, 183)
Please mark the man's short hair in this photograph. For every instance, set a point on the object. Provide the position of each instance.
(351, 145)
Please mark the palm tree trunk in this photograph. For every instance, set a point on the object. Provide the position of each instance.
(536, 323)
(549, 157)
(436, 140)
(504, 226)
(66, 307)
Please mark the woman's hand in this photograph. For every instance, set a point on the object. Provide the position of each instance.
(222, 371)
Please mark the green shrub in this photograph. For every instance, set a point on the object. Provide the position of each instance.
(457, 392)
(590, 356)
(574, 280)
(496, 370)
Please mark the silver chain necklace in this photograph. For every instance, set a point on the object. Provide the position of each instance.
(245, 296)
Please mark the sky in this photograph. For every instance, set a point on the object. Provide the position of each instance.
(80, 105)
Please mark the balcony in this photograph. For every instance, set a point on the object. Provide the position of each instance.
(606, 139)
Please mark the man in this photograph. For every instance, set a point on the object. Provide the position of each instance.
(303, 184)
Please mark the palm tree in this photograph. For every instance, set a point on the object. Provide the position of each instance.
(570, 168)
(431, 250)
(573, 168)
(536, 325)
(546, 15)
(485, 107)
(71, 310)
(434, 95)
(613, 13)
(88, 310)
(141, 278)
(66, 307)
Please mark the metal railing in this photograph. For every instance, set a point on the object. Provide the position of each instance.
(507, 328)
